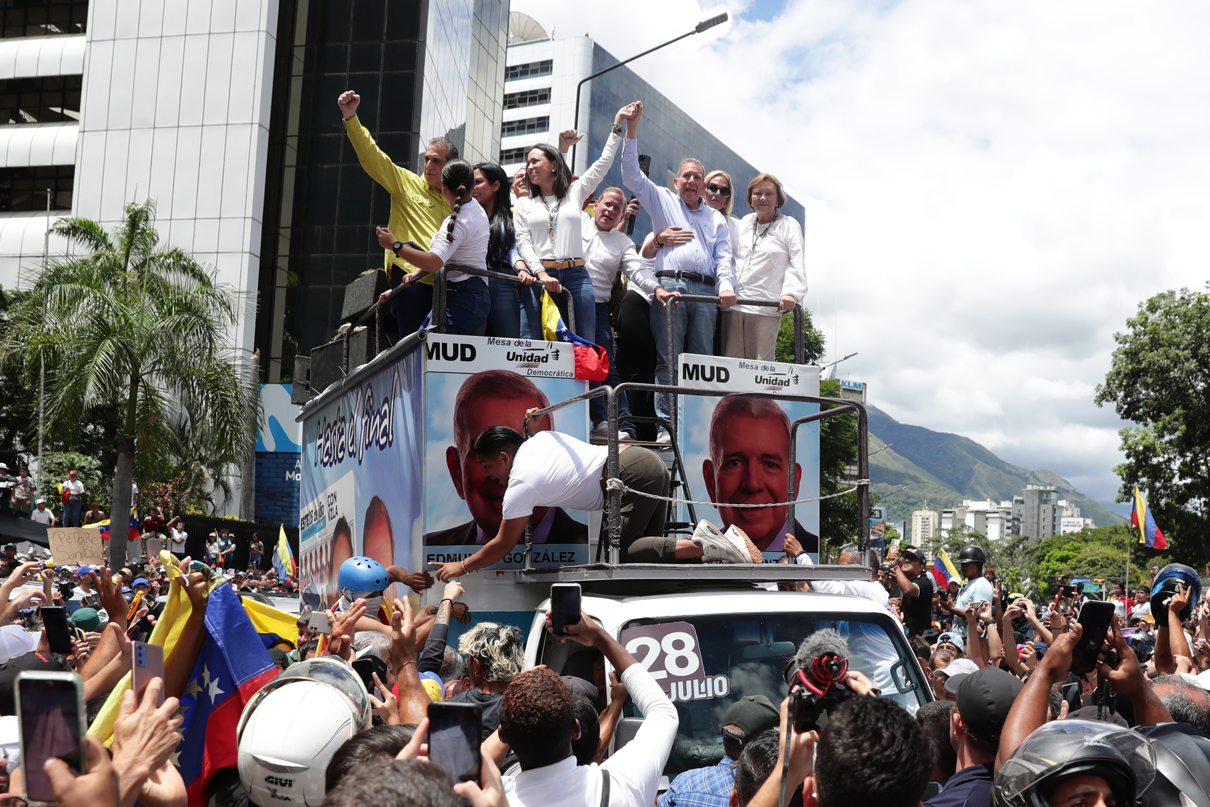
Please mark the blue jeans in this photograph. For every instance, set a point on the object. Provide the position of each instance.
(692, 330)
(466, 307)
(596, 406)
(576, 283)
(530, 298)
(410, 305)
(72, 512)
(504, 319)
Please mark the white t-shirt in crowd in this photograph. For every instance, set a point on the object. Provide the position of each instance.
(469, 247)
(42, 516)
(607, 252)
(552, 469)
(10, 741)
(634, 771)
(178, 540)
(74, 488)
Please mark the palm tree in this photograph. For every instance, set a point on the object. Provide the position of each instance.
(140, 325)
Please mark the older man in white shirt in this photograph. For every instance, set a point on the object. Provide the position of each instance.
(701, 265)
(607, 252)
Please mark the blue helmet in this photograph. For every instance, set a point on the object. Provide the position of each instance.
(1164, 587)
(360, 575)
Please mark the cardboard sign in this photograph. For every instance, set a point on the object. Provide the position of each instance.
(75, 546)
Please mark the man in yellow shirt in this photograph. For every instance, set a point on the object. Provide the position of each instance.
(417, 208)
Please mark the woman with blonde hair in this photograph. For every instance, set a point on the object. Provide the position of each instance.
(720, 195)
(768, 252)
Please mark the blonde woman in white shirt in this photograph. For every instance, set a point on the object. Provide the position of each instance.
(720, 194)
(768, 249)
(547, 223)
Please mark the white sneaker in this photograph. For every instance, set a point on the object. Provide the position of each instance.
(742, 542)
(717, 547)
(663, 437)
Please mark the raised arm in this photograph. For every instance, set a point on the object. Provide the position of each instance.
(374, 161)
(583, 187)
(632, 176)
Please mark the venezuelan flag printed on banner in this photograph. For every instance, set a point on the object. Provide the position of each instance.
(943, 569)
(1141, 518)
(283, 558)
(592, 362)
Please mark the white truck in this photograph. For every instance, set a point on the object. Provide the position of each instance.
(717, 643)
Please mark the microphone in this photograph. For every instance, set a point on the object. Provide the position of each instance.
(819, 670)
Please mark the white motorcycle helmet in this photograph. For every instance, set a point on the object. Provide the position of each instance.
(290, 729)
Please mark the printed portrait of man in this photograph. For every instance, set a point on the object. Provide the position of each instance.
(496, 398)
(750, 464)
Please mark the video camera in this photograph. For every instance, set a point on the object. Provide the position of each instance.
(819, 670)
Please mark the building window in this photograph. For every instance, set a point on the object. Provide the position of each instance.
(516, 100)
(42, 17)
(529, 70)
(25, 188)
(525, 126)
(517, 155)
(45, 99)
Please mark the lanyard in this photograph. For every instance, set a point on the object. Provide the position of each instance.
(756, 239)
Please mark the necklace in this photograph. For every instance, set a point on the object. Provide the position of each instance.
(551, 214)
(757, 237)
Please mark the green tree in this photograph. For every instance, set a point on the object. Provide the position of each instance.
(1159, 379)
(138, 325)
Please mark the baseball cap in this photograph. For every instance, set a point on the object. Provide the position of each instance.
(752, 715)
(913, 552)
(4, 465)
(955, 671)
(953, 639)
(84, 570)
(138, 581)
(433, 685)
(86, 619)
(27, 662)
(984, 699)
(16, 641)
(71, 473)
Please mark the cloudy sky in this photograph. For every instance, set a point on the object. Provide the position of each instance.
(990, 188)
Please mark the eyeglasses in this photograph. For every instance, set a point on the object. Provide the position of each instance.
(721, 191)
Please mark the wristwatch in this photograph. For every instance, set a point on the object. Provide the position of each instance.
(617, 128)
(398, 245)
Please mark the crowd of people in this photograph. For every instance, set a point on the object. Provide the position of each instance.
(561, 234)
(1026, 713)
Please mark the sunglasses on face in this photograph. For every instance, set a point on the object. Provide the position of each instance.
(720, 190)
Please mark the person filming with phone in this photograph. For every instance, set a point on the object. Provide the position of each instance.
(537, 722)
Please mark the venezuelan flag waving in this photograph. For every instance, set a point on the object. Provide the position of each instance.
(592, 361)
(1141, 518)
(943, 569)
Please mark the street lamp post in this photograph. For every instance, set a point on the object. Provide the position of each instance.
(704, 25)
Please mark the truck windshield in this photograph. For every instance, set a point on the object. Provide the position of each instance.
(706, 663)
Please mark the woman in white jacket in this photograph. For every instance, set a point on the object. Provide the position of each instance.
(547, 227)
(768, 252)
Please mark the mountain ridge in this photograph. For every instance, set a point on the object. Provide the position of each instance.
(939, 469)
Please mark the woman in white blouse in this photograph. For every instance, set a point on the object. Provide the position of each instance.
(548, 229)
(768, 252)
(720, 195)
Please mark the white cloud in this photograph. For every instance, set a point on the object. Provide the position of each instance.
(991, 189)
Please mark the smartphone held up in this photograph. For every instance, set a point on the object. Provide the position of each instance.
(51, 716)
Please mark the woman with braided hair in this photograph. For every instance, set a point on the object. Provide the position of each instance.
(460, 241)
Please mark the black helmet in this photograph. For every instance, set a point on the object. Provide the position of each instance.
(1182, 766)
(1062, 749)
(972, 554)
(1164, 588)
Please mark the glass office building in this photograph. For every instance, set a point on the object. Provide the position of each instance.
(433, 68)
(541, 75)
